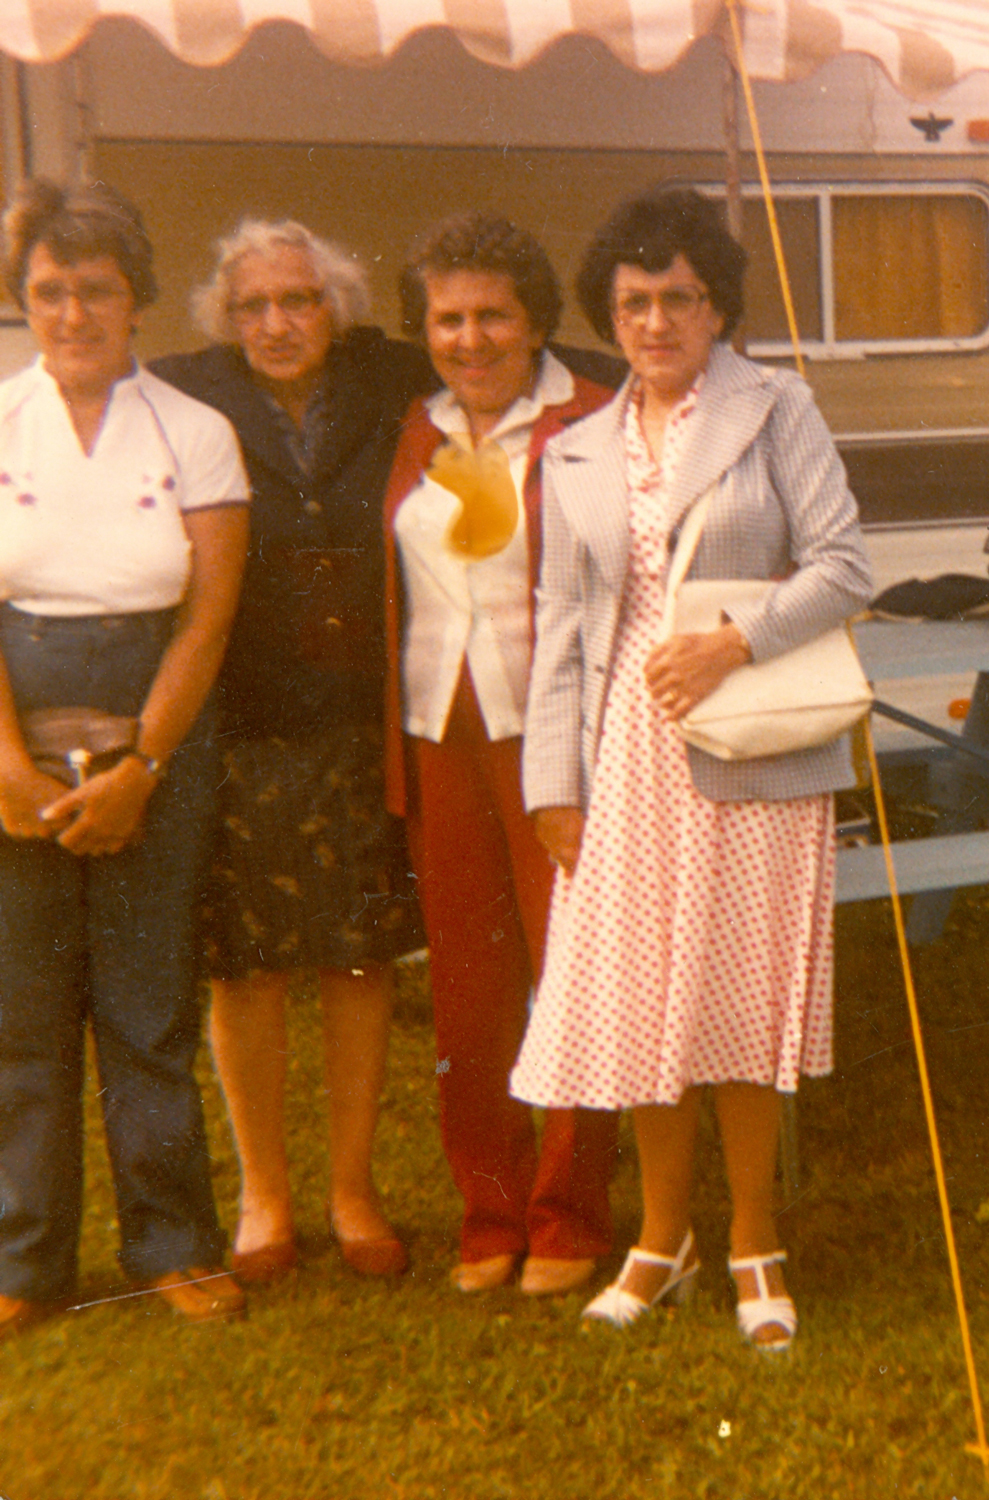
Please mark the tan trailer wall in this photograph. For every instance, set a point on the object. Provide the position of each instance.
(373, 199)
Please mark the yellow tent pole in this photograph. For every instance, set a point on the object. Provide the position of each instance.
(760, 156)
(979, 1448)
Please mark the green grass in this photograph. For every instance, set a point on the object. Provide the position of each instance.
(345, 1389)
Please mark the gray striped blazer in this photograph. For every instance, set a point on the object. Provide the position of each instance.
(781, 507)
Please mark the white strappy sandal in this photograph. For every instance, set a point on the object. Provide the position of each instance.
(620, 1307)
(759, 1312)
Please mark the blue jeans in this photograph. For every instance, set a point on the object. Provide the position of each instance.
(108, 940)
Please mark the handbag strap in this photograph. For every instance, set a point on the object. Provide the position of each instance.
(683, 556)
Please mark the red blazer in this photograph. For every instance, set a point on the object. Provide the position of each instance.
(419, 441)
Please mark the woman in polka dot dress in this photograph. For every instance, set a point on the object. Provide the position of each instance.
(691, 932)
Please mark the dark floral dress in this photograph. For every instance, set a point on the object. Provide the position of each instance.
(309, 869)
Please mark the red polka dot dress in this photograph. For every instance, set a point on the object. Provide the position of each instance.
(693, 943)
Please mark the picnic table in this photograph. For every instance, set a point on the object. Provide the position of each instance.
(955, 855)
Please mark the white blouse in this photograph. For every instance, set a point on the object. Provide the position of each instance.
(475, 608)
(102, 533)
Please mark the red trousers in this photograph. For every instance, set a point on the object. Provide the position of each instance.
(484, 887)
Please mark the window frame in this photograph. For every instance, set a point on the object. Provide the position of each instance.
(829, 347)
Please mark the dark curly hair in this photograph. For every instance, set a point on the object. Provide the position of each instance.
(77, 223)
(480, 242)
(650, 232)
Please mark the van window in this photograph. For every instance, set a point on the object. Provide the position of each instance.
(872, 270)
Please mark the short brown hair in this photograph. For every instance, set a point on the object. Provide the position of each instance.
(77, 223)
(650, 231)
(480, 242)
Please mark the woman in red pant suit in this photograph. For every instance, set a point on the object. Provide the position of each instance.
(462, 521)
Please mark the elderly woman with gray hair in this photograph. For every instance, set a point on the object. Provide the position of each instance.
(310, 871)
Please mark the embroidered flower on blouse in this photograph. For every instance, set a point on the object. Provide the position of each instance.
(254, 929)
(325, 855)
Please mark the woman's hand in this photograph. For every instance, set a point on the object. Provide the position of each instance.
(104, 814)
(560, 830)
(687, 668)
(25, 793)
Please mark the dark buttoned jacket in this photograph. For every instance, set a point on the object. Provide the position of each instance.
(308, 644)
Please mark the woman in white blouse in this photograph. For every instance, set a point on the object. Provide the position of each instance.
(123, 519)
(463, 512)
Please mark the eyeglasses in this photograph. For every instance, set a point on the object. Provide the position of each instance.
(677, 304)
(93, 296)
(293, 304)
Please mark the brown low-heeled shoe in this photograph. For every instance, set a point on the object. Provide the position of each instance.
(543, 1276)
(17, 1313)
(200, 1295)
(266, 1264)
(384, 1257)
(484, 1275)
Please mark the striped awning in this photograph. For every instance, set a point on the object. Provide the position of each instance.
(924, 45)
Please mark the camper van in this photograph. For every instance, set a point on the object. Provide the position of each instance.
(883, 207)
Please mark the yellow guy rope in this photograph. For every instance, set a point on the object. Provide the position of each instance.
(980, 1448)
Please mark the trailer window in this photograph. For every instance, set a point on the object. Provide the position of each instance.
(765, 315)
(909, 267)
(878, 270)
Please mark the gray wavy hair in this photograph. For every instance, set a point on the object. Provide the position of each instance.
(343, 278)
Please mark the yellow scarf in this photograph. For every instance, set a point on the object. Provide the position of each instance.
(482, 481)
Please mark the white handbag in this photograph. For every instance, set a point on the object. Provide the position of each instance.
(803, 698)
